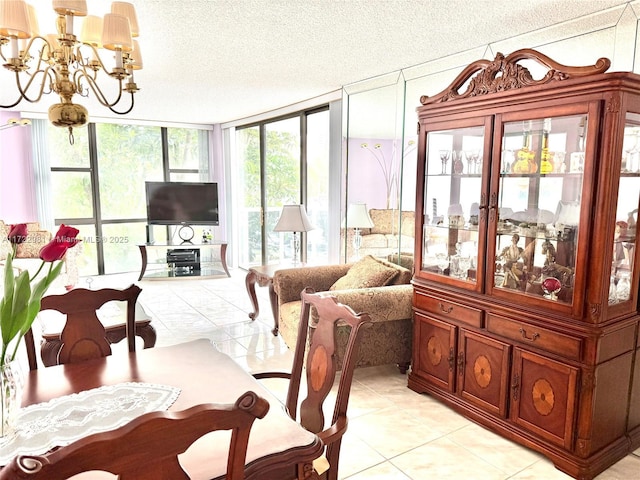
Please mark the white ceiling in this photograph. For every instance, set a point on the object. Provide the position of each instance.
(215, 61)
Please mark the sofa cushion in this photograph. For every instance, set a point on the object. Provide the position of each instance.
(367, 272)
(403, 275)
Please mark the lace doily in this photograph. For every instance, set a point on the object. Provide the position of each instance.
(63, 420)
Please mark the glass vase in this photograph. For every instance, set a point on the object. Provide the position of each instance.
(10, 397)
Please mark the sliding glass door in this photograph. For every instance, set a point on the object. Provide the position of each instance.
(273, 164)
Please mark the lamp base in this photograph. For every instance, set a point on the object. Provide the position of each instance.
(357, 243)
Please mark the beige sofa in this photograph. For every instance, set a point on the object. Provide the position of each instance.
(389, 338)
(392, 231)
(28, 254)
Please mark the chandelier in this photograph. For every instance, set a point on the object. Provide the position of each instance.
(67, 64)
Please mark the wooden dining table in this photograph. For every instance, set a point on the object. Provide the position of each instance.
(279, 448)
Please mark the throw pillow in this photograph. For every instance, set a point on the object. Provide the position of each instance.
(366, 272)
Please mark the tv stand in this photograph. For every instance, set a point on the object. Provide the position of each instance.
(166, 261)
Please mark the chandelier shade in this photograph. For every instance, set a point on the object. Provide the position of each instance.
(77, 8)
(14, 20)
(116, 33)
(91, 32)
(67, 65)
(127, 10)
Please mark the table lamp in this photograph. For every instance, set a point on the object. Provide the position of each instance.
(357, 218)
(294, 219)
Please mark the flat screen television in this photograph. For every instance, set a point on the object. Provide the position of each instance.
(182, 203)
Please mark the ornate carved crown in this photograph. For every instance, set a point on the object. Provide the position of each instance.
(504, 73)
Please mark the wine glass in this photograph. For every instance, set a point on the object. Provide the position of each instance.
(551, 286)
(464, 264)
(471, 160)
(444, 158)
(629, 145)
(442, 260)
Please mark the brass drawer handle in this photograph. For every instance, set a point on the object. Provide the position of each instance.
(444, 309)
(532, 338)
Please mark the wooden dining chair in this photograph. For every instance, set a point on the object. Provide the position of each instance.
(147, 448)
(84, 336)
(317, 337)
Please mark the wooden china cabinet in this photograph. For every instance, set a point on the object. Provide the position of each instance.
(525, 292)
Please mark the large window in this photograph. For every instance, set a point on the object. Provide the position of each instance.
(97, 185)
(280, 162)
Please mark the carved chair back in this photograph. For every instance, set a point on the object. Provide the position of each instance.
(318, 340)
(147, 448)
(84, 336)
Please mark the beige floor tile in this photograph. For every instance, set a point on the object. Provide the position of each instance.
(443, 459)
(494, 449)
(382, 471)
(356, 456)
(392, 431)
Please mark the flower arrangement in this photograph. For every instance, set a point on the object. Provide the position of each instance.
(20, 302)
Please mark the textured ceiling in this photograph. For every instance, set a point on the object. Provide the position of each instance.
(214, 61)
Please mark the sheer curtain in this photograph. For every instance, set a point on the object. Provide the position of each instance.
(42, 174)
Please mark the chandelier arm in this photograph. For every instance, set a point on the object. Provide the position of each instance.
(46, 75)
(96, 89)
(126, 111)
(98, 64)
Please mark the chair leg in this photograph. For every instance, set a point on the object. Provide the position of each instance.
(403, 367)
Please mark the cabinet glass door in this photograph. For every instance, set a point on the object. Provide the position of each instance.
(540, 187)
(624, 240)
(453, 186)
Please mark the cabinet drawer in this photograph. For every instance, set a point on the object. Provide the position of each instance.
(523, 332)
(449, 310)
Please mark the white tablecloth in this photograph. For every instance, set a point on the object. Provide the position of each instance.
(63, 420)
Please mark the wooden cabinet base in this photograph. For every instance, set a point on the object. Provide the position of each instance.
(573, 465)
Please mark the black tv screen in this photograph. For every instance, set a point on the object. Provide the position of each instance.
(176, 203)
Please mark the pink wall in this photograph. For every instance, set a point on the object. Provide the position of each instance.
(17, 190)
(371, 163)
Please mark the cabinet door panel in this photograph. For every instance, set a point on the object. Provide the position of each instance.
(544, 397)
(483, 371)
(541, 173)
(453, 168)
(434, 351)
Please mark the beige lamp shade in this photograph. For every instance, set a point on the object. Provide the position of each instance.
(91, 32)
(127, 10)
(293, 219)
(14, 19)
(136, 57)
(116, 34)
(34, 26)
(77, 8)
(358, 216)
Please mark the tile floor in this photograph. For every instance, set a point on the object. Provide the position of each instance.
(394, 433)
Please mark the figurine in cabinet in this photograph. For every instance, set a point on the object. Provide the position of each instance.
(549, 251)
(513, 271)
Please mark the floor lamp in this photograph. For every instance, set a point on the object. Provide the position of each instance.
(357, 218)
(294, 219)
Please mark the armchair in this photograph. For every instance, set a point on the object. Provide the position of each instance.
(389, 338)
